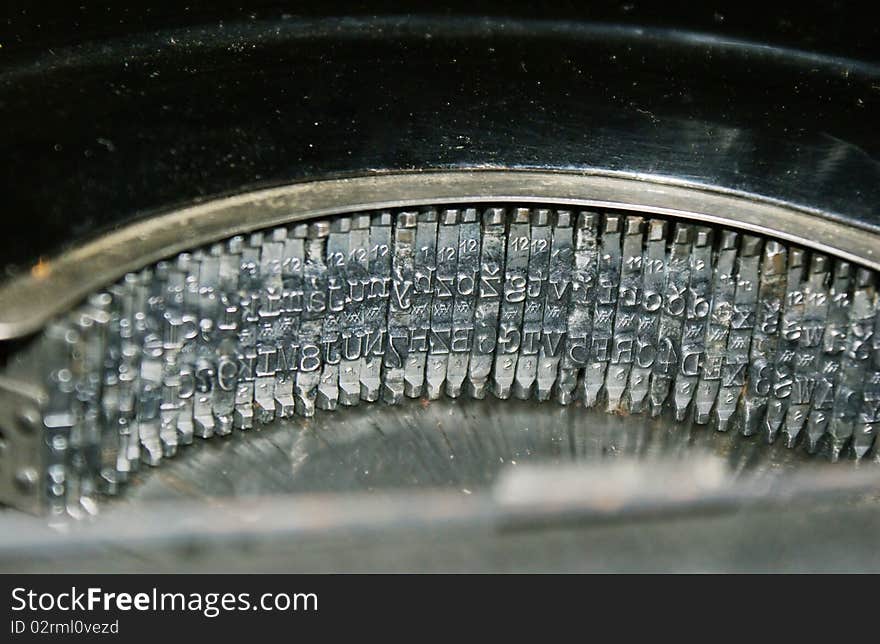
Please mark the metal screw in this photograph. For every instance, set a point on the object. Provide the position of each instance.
(29, 420)
(26, 480)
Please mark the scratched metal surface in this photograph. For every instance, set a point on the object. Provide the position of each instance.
(825, 539)
(461, 445)
(459, 449)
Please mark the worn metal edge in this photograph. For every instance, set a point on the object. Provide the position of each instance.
(29, 300)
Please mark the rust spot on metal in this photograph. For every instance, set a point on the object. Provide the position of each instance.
(41, 270)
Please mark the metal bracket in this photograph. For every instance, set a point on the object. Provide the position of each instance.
(22, 454)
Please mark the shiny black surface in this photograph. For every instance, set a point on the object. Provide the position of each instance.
(133, 122)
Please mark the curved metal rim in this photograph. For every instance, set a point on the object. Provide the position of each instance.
(28, 301)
